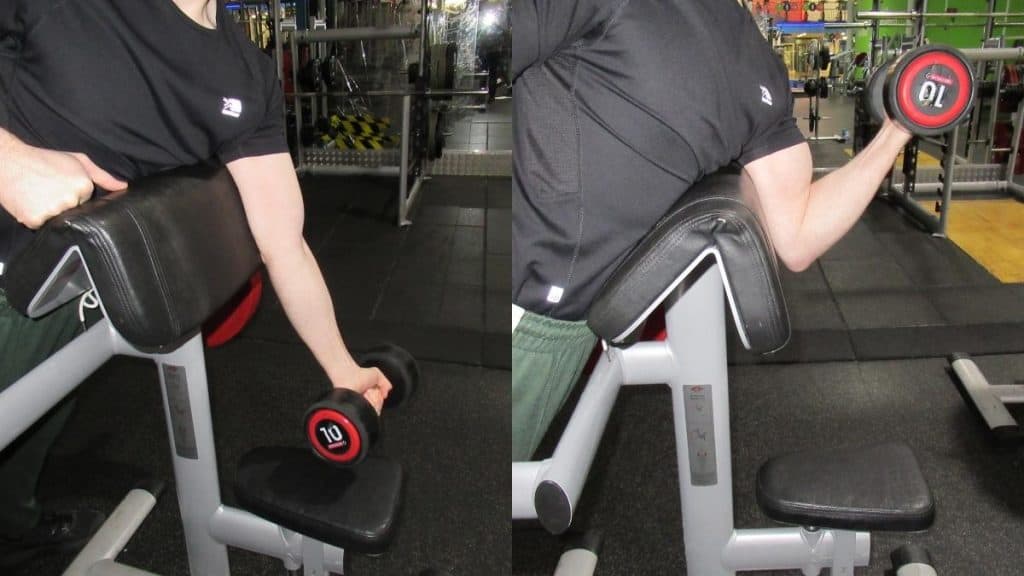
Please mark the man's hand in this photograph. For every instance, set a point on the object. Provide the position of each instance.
(372, 384)
(38, 184)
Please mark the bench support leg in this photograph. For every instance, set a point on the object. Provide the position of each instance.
(190, 428)
(700, 403)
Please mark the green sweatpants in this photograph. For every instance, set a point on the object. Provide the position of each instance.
(547, 358)
(24, 343)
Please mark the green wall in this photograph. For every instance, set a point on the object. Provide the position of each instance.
(938, 31)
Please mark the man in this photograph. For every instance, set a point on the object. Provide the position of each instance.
(621, 106)
(97, 93)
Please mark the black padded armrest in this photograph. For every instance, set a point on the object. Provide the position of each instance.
(355, 509)
(713, 216)
(163, 256)
(877, 487)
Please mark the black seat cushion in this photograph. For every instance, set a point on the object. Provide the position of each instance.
(713, 214)
(163, 257)
(877, 487)
(352, 508)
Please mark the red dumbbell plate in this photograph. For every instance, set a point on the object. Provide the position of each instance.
(333, 436)
(930, 90)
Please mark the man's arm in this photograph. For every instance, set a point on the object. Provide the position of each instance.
(542, 27)
(37, 184)
(273, 206)
(805, 219)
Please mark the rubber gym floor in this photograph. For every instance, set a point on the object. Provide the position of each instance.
(439, 288)
(872, 323)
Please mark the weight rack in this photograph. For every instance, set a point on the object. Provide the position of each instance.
(408, 162)
(956, 173)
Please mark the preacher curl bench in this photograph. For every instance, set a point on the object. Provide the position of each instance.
(160, 259)
(706, 257)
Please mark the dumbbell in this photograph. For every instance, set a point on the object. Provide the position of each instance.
(816, 87)
(811, 86)
(928, 90)
(343, 425)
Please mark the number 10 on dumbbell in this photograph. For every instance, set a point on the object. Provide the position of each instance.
(343, 425)
(931, 94)
(929, 90)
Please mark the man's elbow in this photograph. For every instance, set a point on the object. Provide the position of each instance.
(795, 258)
(282, 250)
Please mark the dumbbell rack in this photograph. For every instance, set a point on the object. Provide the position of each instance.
(405, 162)
(956, 174)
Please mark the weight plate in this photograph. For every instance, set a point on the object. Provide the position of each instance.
(342, 427)
(333, 436)
(875, 94)
(398, 366)
(930, 90)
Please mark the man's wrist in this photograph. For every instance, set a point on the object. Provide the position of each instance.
(344, 370)
(894, 135)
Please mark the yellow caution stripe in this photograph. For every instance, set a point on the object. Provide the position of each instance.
(369, 119)
(351, 142)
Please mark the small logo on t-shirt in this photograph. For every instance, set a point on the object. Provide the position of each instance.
(232, 107)
(555, 294)
(766, 96)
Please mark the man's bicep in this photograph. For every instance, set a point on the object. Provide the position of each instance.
(272, 199)
(782, 181)
(540, 28)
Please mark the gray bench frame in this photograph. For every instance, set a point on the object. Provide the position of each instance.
(692, 361)
(209, 525)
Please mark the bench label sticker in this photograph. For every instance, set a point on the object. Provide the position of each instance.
(180, 411)
(700, 435)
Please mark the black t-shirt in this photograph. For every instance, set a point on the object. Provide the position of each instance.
(136, 85)
(620, 106)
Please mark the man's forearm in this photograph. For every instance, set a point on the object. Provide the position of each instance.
(307, 303)
(838, 199)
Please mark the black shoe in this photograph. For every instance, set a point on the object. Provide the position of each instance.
(58, 532)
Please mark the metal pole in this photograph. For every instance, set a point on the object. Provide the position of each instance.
(920, 25)
(186, 400)
(344, 170)
(423, 37)
(927, 219)
(844, 25)
(888, 15)
(958, 187)
(994, 110)
(977, 24)
(403, 177)
(700, 401)
(1016, 189)
(34, 394)
(278, 41)
(990, 20)
(115, 533)
(948, 168)
(989, 54)
(883, 15)
(351, 34)
(872, 54)
(1011, 163)
(301, 156)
